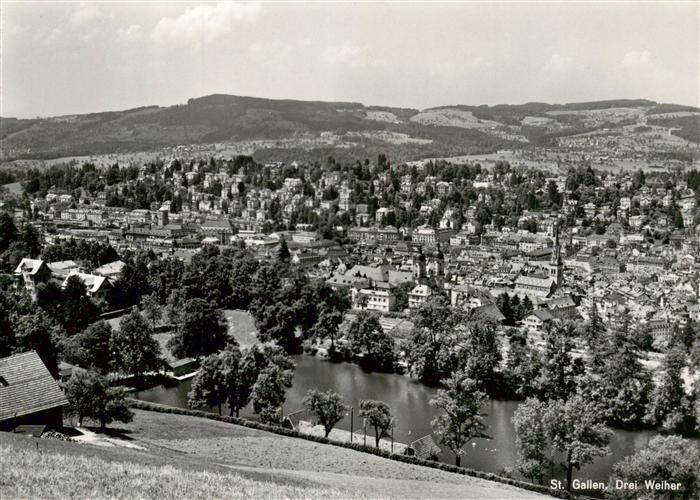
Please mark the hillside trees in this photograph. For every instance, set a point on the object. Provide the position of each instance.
(523, 366)
(268, 392)
(208, 385)
(151, 309)
(479, 354)
(236, 377)
(327, 326)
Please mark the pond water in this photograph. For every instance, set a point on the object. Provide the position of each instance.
(409, 402)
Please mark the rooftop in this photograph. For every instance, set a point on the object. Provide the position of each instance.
(26, 386)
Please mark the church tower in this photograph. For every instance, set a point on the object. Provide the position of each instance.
(556, 265)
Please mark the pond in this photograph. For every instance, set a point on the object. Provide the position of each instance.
(409, 402)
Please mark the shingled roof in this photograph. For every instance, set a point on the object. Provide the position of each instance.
(27, 387)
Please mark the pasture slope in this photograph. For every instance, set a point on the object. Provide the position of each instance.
(178, 456)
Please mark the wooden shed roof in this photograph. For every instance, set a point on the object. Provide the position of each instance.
(27, 387)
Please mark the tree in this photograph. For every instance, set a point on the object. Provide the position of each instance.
(200, 332)
(89, 396)
(479, 352)
(669, 405)
(283, 252)
(241, 275)
(326, 408)
(368, 337)
(378, 414)
(504, 305)
(685, 336)
(531, 440)
(560, 371)
(174, 306)
(526, 307)
(133, 281)
(277, 322)
(38, 332)
(151, 309)
(401, 294)
(575, 432)
(50, 298)
(327, 325)
(208, 385)
(523, 366)
(8, 231)
(7, 334)
(431, 350)
(666, 458)
(31, 240)
(269, 393)
(78, 310)
(618, 385)
(135, 350)
(461, 400)
(595, 328)
(236, 387)
(90, 348)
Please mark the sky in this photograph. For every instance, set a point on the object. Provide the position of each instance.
(66, 58)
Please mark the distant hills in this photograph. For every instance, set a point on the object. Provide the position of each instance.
(276, 125)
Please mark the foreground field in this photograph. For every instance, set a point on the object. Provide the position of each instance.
(206, 456)
(26, 473)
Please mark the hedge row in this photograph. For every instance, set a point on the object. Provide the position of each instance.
(144, 405)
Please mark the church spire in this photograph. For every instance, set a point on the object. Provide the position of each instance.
(556, 265)
(556, 254)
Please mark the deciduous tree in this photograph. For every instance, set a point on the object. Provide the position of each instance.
(135, 350)
(367, 337)
(90, 348)
(208, 385)
(531, 440)
(201, 330)
(461, 401)
(269, 393)
(666, 458)
(150, 305)
(577, 433)
(89, 396)
(378, 415)
(327, 408)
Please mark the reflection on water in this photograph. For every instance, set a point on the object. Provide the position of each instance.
(409, 401)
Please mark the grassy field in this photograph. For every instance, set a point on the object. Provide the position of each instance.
(182, 456)
(26, 473)
(241, 326)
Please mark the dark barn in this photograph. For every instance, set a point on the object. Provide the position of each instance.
(29, 395)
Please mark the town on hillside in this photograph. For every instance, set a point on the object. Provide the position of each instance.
(501, 282)
(349, 250)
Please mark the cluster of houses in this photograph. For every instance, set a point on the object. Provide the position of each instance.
(30, 273)
(451, 249)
